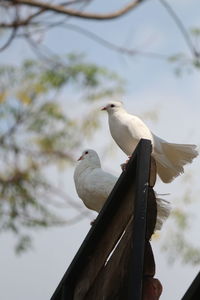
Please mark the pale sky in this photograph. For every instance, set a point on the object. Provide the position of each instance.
(151, 86)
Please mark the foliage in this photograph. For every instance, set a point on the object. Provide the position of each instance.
(37, 135)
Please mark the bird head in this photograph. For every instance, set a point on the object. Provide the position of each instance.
(90, 156)
(113, 106)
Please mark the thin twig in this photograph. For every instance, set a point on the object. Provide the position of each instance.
(10, 39)
(181, 27)
(112, 46)
(92, 36)
(39, 53)
(58, 192)
(13, 33)
(12, 129)
(27, 21)
(55, 153)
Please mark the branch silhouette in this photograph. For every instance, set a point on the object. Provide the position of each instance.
(80, 14)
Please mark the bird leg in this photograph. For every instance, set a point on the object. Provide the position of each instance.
(92, 222)
(124, 165)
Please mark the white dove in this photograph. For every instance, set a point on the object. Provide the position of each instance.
(127, 130)
(93, 186)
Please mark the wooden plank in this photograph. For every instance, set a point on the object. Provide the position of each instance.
(149, 262)
(139, 222)
(94, 238)
(151, 213)
(193, 292)
(152, 289)
(153, 172)
(104, 246)
(108, 227)
(111, 282)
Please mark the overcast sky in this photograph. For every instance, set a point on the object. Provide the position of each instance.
(151, 86)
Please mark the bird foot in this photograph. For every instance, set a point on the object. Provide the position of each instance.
(124, 165)
(92, 222)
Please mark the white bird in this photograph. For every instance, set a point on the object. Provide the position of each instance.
(127, 130)
(93, 186)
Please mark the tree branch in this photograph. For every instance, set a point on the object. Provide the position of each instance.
(26, 21)
(13, 33)
(181, 27)
(12, 129)
(20, 23)
(112, 46)
(10, 39)
(80, 14)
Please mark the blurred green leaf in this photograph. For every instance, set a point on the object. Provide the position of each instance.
(37, 134)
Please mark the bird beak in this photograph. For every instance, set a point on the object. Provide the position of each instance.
(80, 158)
(104, 108)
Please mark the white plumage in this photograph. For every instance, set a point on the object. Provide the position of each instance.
(127, 130)
(93, 186)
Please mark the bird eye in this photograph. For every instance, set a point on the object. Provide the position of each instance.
(112, 105)
(86, 152)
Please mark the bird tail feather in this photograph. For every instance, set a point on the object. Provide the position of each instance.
(163, 212)
(172, 159)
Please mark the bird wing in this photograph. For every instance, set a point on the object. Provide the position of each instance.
(127, 130)
(101, 182)
(138, 128)
(95, 187)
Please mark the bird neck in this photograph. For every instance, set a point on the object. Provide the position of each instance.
(117, 115)
(117, 112)
(85, 166)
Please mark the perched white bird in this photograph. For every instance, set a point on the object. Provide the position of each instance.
(127, 130)
(93, 186)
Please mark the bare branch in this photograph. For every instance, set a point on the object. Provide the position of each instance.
(72, 2)
(43, 56)
(61, 194)
(13, 33)
(112, 46)
(181, 27)
(59, 154)
(80, 14)
(10, 39)
(26, 21)
(12, 129)
(20, 23)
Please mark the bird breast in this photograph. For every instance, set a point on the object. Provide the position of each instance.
(127, 130)
(94, 186)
